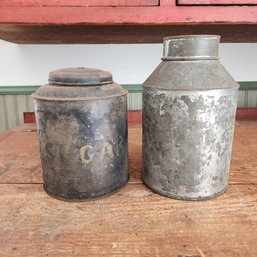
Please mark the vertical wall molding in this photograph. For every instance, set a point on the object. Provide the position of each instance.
(3, 113)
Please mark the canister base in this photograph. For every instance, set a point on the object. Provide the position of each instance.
(86, 199)
(169, 195)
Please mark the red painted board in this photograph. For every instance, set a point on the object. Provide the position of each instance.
(135, 116)
(246, 114)
(29, 117)
(217, 2)
(129, 15)
(72, 3)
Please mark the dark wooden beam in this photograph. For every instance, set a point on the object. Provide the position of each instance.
(104, 34)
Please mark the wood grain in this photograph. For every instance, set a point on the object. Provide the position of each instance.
(244, 156)
(104, 34)
(120, 21)
(145, 15)
(217, 2)
(72, 3)
(132, 222)
(20, 159)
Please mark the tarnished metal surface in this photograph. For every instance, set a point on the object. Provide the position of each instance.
(83, 139)
(188, 122)
(187, 141)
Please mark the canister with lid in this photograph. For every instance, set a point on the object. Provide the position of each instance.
(189, 107)
(82, 123)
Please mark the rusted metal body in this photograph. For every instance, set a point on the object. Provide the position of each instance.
(82, 123)
(189, 107)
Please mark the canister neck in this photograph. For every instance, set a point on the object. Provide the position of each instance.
(191, 47)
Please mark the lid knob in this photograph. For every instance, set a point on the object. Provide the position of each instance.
(80, 76)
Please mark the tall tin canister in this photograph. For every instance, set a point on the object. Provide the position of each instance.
(189, 107)
(82, 123)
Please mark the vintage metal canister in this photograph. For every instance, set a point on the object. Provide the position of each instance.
(189, 107)
(82, 123)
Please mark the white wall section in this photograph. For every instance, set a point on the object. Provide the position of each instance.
(129, 63)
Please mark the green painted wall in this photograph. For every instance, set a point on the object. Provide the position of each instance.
(24, 90)
(14, 100)
(132, 88)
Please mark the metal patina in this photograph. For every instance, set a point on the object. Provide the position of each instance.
(189, 107)
(82, 123)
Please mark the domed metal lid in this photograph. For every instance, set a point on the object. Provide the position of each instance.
(79, 84)
(80, 76)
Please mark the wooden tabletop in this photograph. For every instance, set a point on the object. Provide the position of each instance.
(132, 222)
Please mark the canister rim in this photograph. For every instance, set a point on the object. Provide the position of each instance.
(190, 58)
(76, 99)
(194, 36)
(225, 88)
